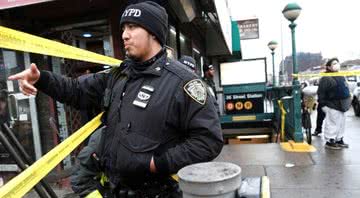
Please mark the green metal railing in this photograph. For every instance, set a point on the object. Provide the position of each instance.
(291, 124)
(292, 119)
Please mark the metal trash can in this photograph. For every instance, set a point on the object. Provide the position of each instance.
(211, 179)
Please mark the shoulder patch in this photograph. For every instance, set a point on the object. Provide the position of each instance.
(196, 90)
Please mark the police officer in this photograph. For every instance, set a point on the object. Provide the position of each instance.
(159, 117)
(189, 62)
(209, 73)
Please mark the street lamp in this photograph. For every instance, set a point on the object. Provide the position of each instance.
(272, 46)
(291, 12)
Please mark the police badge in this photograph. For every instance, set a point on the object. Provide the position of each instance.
(143, 96)
(196, 90)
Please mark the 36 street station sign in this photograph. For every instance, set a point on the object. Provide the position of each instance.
(5, 4)
(244, 103)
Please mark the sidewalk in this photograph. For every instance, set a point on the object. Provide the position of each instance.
(324, 173)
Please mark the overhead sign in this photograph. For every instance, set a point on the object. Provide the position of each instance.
(249, 29)
(232, 73)
(5, 4)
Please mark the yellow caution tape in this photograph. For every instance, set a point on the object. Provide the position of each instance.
(175, 177)
(21, 184)
(15, 40)
(103, 179)
(340, 73)
(94, 194)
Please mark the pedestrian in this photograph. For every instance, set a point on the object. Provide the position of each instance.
(208, 78)
(319, 119)
(158, 117)
(334, 94)
(189, 62)
(320, 116)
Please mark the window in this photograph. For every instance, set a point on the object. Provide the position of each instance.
(15, 108)
(185, 45)
(171, 41)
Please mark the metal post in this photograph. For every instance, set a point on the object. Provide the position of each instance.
(25, 156)
(298, 136)
(273, 64)
(19, 162)
(34, 116)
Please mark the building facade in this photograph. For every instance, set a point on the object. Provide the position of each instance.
(41, 123)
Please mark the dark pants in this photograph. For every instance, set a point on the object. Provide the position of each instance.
(168, 188)
(319, 118)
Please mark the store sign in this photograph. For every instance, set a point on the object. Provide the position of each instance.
(5, 4)
(244, 103)
(249, 29)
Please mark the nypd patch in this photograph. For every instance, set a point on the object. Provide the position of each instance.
(196, 90)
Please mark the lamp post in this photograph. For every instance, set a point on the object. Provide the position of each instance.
(272, 46)
(291, 13)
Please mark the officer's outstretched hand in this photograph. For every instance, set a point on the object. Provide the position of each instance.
(27, 79)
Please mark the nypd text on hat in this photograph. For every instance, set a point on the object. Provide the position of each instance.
(189, 63)
(132, 12)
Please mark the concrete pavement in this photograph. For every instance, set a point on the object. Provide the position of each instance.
(324, 173)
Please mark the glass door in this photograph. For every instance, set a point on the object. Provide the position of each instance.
(16, 109)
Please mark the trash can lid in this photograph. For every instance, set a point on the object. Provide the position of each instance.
(209, 172)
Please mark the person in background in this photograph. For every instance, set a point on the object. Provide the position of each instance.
(334, 94)
(320, 113)
(209, 73)
(319, 119)
(189, 62)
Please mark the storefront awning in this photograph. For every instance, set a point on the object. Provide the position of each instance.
(236, 47)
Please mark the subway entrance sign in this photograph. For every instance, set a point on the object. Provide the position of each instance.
(244, 98)
(244, 103)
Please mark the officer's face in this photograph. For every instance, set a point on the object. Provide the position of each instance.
(210, 73)
(137, 42)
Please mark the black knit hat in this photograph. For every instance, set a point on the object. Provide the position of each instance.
(188, 61)
(149, 15)
(328, 63)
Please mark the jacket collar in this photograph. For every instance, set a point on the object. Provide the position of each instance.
(155, 66)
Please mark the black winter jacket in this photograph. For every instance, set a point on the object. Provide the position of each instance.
(162, 111)
(327, 92)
